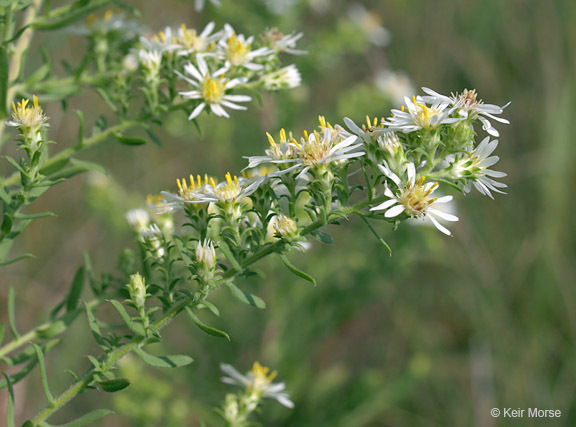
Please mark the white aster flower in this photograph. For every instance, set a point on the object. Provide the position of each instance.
(258, 381)
(164, 41)
(370, 23)
(237, 50)
(211, 89)
(206, 254)
(315, 150)
(151, 59)
(199, 4)
(281, 151)
(417, 115)
(413, 199)
(285, 78)
(187, 194)
(370, 129)
(29, 118)
(284, 42)
(233, 189)
(469, 107)
(152, 236)
(138, 219)
(192, 42)
(474, 166)
(394, 85)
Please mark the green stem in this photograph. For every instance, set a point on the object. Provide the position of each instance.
(34, 334)
(115, 355)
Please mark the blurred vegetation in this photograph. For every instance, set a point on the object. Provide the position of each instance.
(435, 335)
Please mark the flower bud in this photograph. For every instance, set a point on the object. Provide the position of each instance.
(138, 219)
(137, 289)
(285, 78)
(285, 227)
(206, 255)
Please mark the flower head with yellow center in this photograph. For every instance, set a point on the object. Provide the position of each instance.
(237, 50)
(192, 42)
(281, 151)
(188, 193)
(469, 106)
(258, 381)
(416, 115)
(211, 89)
(28, 118)
(163, 41)
(414, 198)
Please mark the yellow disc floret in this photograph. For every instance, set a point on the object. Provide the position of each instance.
(261, 378)
(213, 89)
(237, 50)
(415, 198)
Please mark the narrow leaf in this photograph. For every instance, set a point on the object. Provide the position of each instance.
(2, 329)
(22, 373)
(6, 223)
(154, 137)
(43, 375)
(137, 328)
(93, 323)
(90, 272)
(174, 361)
(19, 258)
(75, 290)
(296, 271)
(4, 76)
(11, 311)
(34, 215)
(373, 230)
(245, 297)
(28, 353)
(225, 249)
(90, 417)
(10, 407)
(210, 307)
(117, 384)
(208, 329)
(323, 236)
(130, 140)
(5, 196)
(80, 127)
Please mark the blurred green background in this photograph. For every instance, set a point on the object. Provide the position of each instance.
(437, 334)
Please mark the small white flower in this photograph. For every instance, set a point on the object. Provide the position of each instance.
(369, 130)
(199, 4)
(469, 106)
(474, 166)
(236, 50)
(257, 381)
(283, 151)
(138, 219)
(417, 115)
(151, 59)
(370, 24)
(413, 198)
(394, 85)
(192, 42)
(211, 89)
(187, 194)
(152, 236)
(164, 41)
(232, 189)
(285, 78)
(284, 42)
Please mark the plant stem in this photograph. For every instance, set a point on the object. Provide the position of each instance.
(115, 355)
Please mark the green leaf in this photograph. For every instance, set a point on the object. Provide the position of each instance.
(4, 76)
(75, 290)
(111, 386)
(11, 311)
(22, 373)
(10, 407)
(64, 19)
(15, 164)
(28, 353)
(5, 196)
(55, 328)
(373, 230)
(323, 236)
(54, 167)
(2, 329)
(90, 272)
(225, 249)
(174, 361)
(19, 258)
(34, 215)
(208, 329)
(154, 137)
(137, 328)
(90, 417)
(6, 223)
(130, 140)
(209, 306)
(245, 297)
(93, 323)
(43, 375)
(80, 127)
(88, 166)
(131, 10)
(296, 271)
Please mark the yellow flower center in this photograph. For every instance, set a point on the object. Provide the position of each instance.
(262, 378)
(187, 191)
(237, 51)
(415, 198)
(213, 89)
(31, 117)
(312, 152)
(231, 189)
(190, 40)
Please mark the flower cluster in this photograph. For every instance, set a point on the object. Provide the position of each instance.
(217, 63)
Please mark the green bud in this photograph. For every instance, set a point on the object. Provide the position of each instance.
(137, 289)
